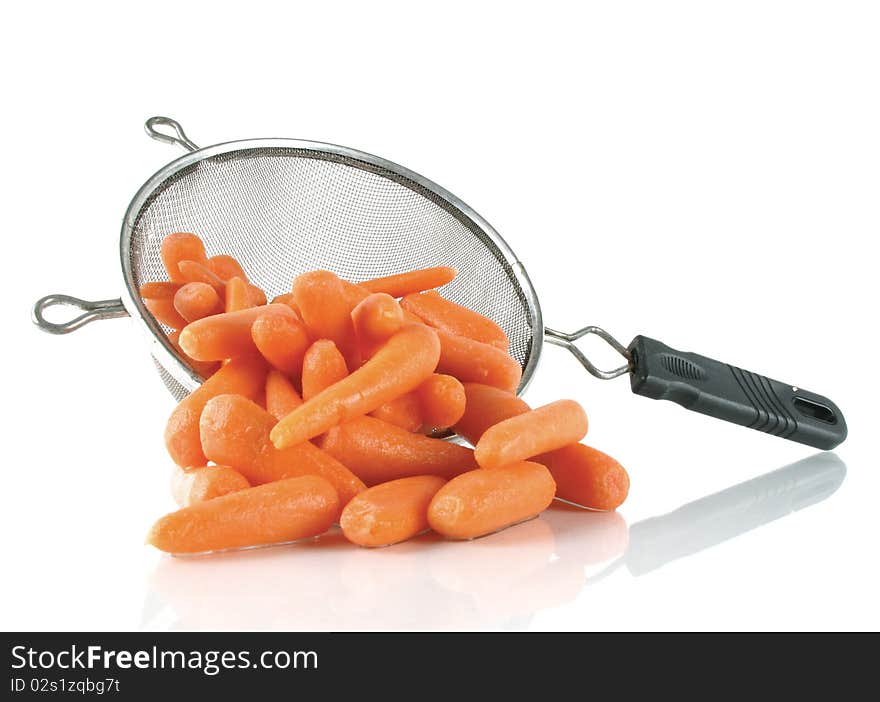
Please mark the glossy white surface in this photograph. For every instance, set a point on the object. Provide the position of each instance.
(704, 176)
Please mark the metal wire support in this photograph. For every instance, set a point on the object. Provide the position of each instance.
(180, 138)
(565, 340)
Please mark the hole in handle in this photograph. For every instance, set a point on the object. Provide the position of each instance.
(179, 137)
(816, 410)
(90, 309)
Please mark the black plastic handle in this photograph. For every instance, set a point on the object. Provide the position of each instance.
(735, 395)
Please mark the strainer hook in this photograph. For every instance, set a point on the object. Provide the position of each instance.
(567, 340)
(91, 310)
(180, 138)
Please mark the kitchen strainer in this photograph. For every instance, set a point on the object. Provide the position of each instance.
(284, 206)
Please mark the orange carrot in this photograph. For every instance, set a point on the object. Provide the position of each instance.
(279, 512)
(391, 512)
(401, 365)
(322, 366)
(475, 362)
(587, 477)
(165, 313)
(281, 397)
(325, 309)
(198, 272)
(455, 319)
(410, 282)
(238, 295)
(235, 432)
(442, 401)
(287, 299)
(197, 484)
(196, 300)
(257, 295)
(485, 406)
(178, 247)
(404, 412)
(226, 335)
(226, 267)
(282, 339)
(486, 500)
(204, 368)
(243, 376)
(540, 430)
(584, 476)
(376, 318)
(159, 291)
(376, 451)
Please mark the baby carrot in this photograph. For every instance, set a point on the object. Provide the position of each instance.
(401, 365)
(376, 318)
(204, 368)
(181, 246)
(322, 366)
(192, 485)
(226, 267)
(159, 291)
(226, 335)
(376, 451)
(278, 512)
(281, 397)
(287, 299)
(390, 512)
(485, 406)
(235, 432)
(198, 272)
(257, 295)
(237, 295)
(442, 401)
(165, 313)
(587, 477)
(475, 362)
(404, 412)
(482, 501)
(196, 300)
(244, 376)
(325, 309)
(282, 339)
(455, 319)
(410, 282)
(540, 430)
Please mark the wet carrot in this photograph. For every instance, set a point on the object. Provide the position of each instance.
(226, 267)
(287, 299)
(455, 319)
(479, 502)
(243, 376)
(197, 300)
(410, 282)
(159, 290)
(398, 367)
(404, 412)
(282, 339)
(192, 485)
(257, 295)
(442, 401)
(587, 477)
(181, 246)
(237, 295)
(376, 451)
(198, 272)
(485, 406)
(376, 318)
(391, 512)
(226, 335)
(279, 512)
(235, 431)
(322, 366)
(204, 368)
(325, 309)
(281, 397)
(475, 362)
(165, 313)
(540, 430)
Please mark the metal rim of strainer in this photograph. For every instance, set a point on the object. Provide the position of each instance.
(162, 350)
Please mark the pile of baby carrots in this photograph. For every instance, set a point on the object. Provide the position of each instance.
(321, 408)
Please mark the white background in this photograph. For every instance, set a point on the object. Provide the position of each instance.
(704, 173)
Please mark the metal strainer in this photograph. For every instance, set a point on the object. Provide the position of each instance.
(285, 206)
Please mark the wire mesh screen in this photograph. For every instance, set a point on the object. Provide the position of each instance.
(282, 211)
